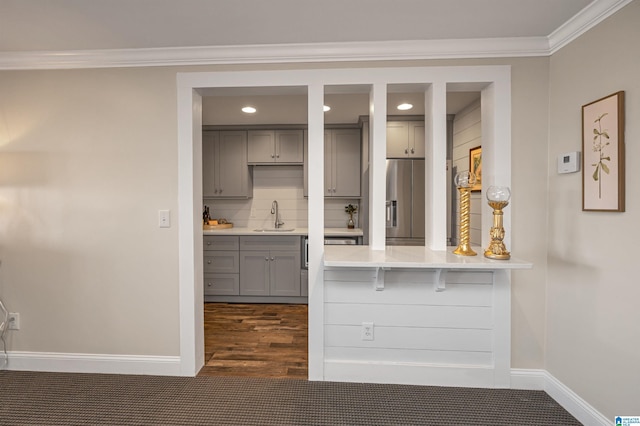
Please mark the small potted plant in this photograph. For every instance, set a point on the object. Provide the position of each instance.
(351, 210)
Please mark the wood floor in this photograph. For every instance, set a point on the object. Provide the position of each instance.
(256, 340)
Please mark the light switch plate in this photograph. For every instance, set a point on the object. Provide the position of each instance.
(164, 218)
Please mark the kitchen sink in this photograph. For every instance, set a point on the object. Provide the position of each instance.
(273, 230)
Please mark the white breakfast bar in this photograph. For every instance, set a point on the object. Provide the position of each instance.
(417, 316)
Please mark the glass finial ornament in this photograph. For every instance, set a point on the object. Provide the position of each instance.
(464, 181)
(498, 198)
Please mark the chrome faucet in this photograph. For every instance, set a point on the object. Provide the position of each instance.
(274, 210)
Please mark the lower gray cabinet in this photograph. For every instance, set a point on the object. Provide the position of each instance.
(221, 265)
(270, 266)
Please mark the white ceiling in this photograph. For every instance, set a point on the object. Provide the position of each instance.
(46, 34)
(45, 25)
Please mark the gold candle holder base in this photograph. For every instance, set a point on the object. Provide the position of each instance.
(464, 250)
(496, 249)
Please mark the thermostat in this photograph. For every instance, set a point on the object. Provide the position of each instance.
(569, 162)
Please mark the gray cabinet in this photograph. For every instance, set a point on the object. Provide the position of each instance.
(342, 163)
(221, 265)
(270, 266)
(225, 172)
(405, 139)
(275, 147)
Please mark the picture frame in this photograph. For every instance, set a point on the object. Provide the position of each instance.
(603, 156)
(475, 167)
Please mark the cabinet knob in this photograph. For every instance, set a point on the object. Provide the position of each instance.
(413, 151)
(278, 156)
(221, 191)
(406, 151)
(272, 155)
(209, 284)
(266, 259)
(272, 259)
(208, 262)
(215, 191)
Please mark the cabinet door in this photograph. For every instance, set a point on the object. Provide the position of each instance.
(285, 273)
(416, 139)
(328, 164)
(397, 139)
(221, 285)
(305, 166)
(289, 146)
(254, 273)
(233, 172)
(346, 162)
(261, 146)
(209, 157)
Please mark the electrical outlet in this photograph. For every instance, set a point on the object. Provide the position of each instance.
(14, 321)
(367, 331)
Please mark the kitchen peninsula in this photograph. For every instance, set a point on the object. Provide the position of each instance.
(413, 315)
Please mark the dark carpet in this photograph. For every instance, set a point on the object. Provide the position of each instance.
(29, 398)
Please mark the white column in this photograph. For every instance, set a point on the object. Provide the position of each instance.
(378, 164)
(189, 223)
(435, 166)
(316, 231)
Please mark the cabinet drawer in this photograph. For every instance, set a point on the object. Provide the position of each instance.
(220, 242)
(221, 284)
(222, 262)
(270, 242)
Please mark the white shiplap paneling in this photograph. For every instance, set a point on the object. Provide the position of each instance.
(467, 134)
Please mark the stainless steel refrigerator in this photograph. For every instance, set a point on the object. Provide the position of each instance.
(405, 203)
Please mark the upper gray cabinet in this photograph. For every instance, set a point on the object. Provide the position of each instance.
(225, 172)
(275, 147)
(342, 162)
(405, 139)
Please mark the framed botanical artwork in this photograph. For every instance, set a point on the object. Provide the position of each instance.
(603, 154)
(475, 166)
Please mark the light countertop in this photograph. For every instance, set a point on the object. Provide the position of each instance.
(328, 232)
(414, 257)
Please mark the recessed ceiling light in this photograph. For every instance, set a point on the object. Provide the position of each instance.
(404, 107)
(249, 109)
(326, 108)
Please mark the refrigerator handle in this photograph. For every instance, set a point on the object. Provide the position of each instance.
(391, 213)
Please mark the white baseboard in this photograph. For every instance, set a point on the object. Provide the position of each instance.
(90, 363)
(563, 395)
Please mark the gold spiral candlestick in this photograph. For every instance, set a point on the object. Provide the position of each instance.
(498, 198)
(464, 181)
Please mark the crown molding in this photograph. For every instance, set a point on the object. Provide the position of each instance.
(596, 12)
(589, 17)
(280, 53)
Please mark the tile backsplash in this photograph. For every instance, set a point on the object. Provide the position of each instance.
(285, 185)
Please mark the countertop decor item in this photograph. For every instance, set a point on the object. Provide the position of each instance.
(351, 210)
(498, 197)
(465, 181)
(603, 154)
